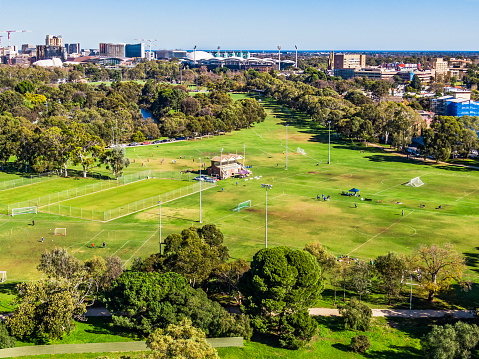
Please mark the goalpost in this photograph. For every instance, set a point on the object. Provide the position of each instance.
(243, 205)
(3, 276)
(415, 182)
(300, 150)
(60, 231)
(24, 210)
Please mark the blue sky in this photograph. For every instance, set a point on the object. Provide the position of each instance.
(248, 24)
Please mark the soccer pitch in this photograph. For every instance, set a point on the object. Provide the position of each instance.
(445, 209)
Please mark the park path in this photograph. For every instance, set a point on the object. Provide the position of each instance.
(102, 347)
(400, 313)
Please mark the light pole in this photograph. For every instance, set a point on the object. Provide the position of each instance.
(287, 125)
(159, 214)
(296, 64)
(410, 298)
(194, 55)
(329, 143)
(200, 189)
(116, 127)
(279, 57)
(267, 186)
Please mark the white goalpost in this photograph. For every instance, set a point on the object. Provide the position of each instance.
(300, 150)
(24, 210)
(415, 182)
(60, 231)
(242, 205)
(3, 276)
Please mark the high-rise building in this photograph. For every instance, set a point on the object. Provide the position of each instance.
(135, 50)
(112, 50)
(347, 61)
(440, 66)
(52, 40)
(72, 48)
(50, 51)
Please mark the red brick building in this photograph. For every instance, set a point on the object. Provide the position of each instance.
(227, 166)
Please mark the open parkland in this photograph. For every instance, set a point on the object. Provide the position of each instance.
(396, 218)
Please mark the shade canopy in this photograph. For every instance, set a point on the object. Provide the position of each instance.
(355, 190)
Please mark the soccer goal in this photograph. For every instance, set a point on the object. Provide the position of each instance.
(60, 231)
(242, 205)
(3, 276)
(300, 150)
(24, 210)
(415, 182)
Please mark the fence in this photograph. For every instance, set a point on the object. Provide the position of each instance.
(126, 209)
(27, 180)
(76, 192)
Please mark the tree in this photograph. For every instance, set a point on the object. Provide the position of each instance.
(116, 161)
(451, 341)
(391, 268)
(180, 341)
(6, 341)
(58, 264)
(361, 276)
(227, 276)
(138, 137)
(356, 316)
(45, 310)
(416, 83)
(190, 106)
(437, 268)
(323, 257)
(360, 344)
(380, 89)
(85, 147)
(214, 238)
(24, 87)
(280, 287)
(145, 301)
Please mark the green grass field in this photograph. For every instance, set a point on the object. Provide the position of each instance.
(295, 216)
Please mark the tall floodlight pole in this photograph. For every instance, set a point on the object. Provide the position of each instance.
(159, 215)
(194, 55)
(287, 146)
(296, 63)
(267, 186)
(200, 189)
(279, 57)
(329, 143)
(219, 48)
(410, 298)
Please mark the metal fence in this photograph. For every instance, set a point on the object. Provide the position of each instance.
(126, 209)
(77, 192)
(39, 177)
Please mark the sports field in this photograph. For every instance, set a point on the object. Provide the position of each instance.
(295, 216)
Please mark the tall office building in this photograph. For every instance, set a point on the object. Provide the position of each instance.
(72, 48)
(112, 50)
(52, 40)
(347, 61)
(135, 50)
(50, 51)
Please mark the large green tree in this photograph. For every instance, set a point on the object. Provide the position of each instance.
(391, 269)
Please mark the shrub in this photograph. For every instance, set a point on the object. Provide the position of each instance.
(360, 344)
(6, 341)
(356, 316)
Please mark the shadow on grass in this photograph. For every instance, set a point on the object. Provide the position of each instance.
(266, 339)
(8, 288)
(472, 260)
(105, 326)
(396, 352)
(334, 324)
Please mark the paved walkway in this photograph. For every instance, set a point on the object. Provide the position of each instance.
(400, 313)
(102, 347)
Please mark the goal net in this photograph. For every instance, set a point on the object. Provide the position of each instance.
(60, 231)
(242, 205)
(300, 150)
(3, 276)
(24, 210)
(415, 182)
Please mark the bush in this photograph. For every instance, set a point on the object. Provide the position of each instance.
(360, 344)
(356, 316)
(299, 329)
(6, 341)
(451, 341)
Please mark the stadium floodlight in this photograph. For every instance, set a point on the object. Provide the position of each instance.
(267, 186)
(159, 215)
(329, 143)
(296, 63)
(287, 125)
(219, 48)
(194, 55)
(279, 57)
(200, 188)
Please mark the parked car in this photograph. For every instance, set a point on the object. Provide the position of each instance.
(156, 142)
(146, 143)
(201, 178)
(133, 144)
(211, 180)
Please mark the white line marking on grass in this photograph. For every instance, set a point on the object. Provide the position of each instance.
(200, 151)
(467, 195)
(143, 162)
(260, 136)
(81, 245)
(370, 239)
(120, 248)
(4, 223)
(124, 265)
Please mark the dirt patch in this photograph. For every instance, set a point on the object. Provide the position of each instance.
(314, 172)
(252, 210)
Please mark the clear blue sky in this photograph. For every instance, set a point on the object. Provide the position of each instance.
(248, 24)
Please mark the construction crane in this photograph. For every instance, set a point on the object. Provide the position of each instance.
(149, 41)
(9, 32)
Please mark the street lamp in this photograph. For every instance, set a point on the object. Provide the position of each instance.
(200, 189)
(287, 125)
(296, 64)
(159, 215)
(329, 143)
(279, 57)
(267, 186)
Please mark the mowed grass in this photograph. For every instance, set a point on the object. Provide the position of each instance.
(295, 216)
(122, 195)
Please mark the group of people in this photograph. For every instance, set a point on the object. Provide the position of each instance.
(93, 245)
(328, 198)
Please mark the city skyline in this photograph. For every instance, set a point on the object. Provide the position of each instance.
(311, 25)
